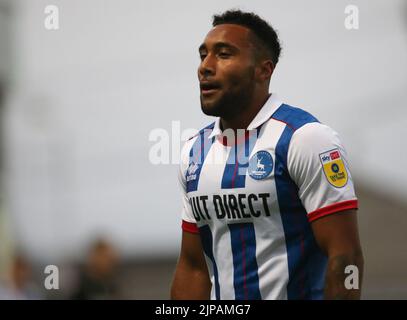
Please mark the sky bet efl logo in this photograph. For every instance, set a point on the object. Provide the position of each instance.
(334, 168)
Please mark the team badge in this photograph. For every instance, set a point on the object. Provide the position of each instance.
(260, 165)
(334, 168)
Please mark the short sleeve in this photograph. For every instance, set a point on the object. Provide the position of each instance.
(188, 219)
(318, 164)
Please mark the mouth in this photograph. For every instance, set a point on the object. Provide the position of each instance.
(209, 88)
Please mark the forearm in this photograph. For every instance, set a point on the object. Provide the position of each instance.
(190, 284)
(340, 284)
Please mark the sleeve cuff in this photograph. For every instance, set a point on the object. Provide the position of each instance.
(189, 227)
(333, 208)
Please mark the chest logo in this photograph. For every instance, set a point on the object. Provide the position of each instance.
(334, 168)
(260, 165)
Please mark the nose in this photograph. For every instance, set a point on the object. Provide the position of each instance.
(207, 67)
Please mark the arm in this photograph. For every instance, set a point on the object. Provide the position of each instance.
(191, 279)
(337, 235)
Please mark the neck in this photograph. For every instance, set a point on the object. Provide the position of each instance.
(243, 119)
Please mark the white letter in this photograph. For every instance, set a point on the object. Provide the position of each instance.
(352, 281)
(51, 281)
(160, 152)
(352, 20)
(51, 21)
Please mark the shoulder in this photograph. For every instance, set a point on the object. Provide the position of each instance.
(304, 132)
(303, 125)
(294, 120)
(314, 134)
(294, 117)
(312, 141)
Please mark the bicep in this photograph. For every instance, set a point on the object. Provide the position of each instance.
(337, 233)
(192, 251)
(191, 279)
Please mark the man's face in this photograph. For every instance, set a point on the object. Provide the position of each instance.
(227, 70)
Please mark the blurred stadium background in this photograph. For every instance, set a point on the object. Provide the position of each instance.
(78, 105)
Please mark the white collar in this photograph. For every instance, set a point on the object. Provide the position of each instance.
(271, 105)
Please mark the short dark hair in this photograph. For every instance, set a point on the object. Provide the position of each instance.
(261, 29)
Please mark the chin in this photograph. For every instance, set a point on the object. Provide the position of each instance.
(223, 106)
(210, 109)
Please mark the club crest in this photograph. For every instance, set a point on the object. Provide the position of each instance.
(261, 165)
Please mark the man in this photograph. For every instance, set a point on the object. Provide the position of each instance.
(270, 213)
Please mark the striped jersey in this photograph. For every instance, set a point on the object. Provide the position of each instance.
(252, 197)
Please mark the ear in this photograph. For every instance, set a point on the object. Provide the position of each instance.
(264, 70)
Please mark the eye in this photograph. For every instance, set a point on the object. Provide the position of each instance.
(202, 56)
(224, 55)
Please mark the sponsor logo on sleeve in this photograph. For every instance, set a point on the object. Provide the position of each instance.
(334, 168)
